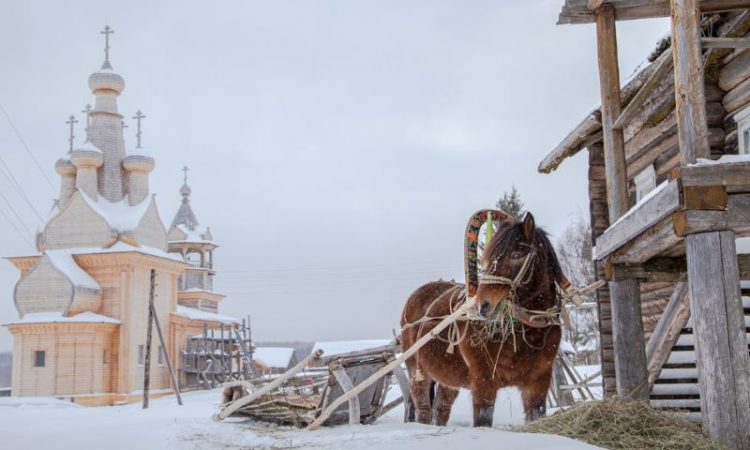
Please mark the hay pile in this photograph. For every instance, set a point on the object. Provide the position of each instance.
(620, 424)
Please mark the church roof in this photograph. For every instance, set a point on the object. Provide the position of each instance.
(119, 215)
(63, 261)
(58, 317)
(197, 314)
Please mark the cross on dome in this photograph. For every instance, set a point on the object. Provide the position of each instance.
(185, 169)
(138, 116)
(71, 121)
(87, 110)
(106, 32)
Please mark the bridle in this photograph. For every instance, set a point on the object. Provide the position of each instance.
(529, 317)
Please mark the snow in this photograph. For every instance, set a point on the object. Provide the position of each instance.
(640, 202)
(63, 261)
(192, 236)
(567, 347)
(335, 347)
(273, 357)
(89, 147)
(743, 245)
(44, 423)
(57, 317)
(121, 247)
(726, 159)
(196, 314)
(119, 215)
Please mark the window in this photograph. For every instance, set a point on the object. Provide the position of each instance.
(105, 357)
(39, 358)
(645, 182)
(141, 355)
(743, 130)
(160, 358)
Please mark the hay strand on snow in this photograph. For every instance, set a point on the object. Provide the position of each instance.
(622, 424)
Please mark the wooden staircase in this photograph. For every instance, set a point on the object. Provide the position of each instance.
(677, 385)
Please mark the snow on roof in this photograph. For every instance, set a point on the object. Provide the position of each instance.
(119, 215)
(63, 261)
(726, 159)
(743, 245)
(273, 357)
(192, 236)
(196, 314)
(57, 317)
(335, 347)
(121, 247)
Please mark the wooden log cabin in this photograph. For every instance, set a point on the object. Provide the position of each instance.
(669, 196)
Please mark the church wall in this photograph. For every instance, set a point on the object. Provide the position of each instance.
(43, 289)
(77, 226)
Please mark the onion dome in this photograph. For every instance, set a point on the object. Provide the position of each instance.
(138, 162)
(106, 79)
(87, 155)
(64, 166)
(185, 190)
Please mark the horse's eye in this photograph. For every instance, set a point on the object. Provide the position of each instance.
(516, 255)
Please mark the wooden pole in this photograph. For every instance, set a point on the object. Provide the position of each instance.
(628, 340)
(609, 82)
(147, 361)
(383, 371)
(175, 384)
(690, 97)
(720, 346)
(667, 331)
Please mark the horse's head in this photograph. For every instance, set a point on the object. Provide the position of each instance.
(520, 265)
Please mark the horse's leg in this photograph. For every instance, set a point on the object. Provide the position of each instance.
(534, 396)
(483, 395)
(443, 404)
(420, 393)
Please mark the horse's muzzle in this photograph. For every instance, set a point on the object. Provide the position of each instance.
(485, 309)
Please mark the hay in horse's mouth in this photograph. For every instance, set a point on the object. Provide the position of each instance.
(500, 326)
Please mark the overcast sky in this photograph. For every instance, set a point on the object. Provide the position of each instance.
(336, 148)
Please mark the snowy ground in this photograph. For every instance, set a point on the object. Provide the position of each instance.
(43, 423)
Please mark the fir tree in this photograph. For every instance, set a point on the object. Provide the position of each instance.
(511, 204)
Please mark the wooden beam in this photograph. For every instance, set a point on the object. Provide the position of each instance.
(628, 340)
(704, 197)
(690, 221)
(637, 9)
(721, 42)
(653, 242)
(647, 214)
(743, 262)
(735, 177)
(663, 66)
(720, 344)
(609, 81)
(690, 97)
(667, 331)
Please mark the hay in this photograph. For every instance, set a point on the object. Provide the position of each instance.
(500, 327)
(621, 424)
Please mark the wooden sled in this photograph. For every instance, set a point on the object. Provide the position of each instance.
(298, 396)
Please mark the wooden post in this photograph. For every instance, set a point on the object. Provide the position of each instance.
(720, 346)
(147, 361)
(690, 97)
(564, 396)
(628, 340)
(667, 331)
(337, 369)
(609, 82)
(175, 384)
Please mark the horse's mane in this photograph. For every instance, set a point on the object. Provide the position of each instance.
(510, 232)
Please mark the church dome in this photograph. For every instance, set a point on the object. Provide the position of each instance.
(87, 155)
(185, 189)
(64, 166)
(106, 79)
(138, 163)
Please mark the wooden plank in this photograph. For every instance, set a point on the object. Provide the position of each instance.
(728, 175)
(704, 197)
(663, 66)
(572, 143)
(635, 10)
(667, 331)
(656, 241)
(698, 221)
(692, 127)
(717, 315)
(403, 384)
(725, 42)
(149, 327)
(642, 217)
(609, 83)
(629, 345)
(743, 262)
(346, 385)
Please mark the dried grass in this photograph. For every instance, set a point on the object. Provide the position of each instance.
(500, 327)
(621, 424)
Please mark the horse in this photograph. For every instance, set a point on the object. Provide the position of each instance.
(521, 275)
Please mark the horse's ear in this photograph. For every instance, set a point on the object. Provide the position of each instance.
(528, 226)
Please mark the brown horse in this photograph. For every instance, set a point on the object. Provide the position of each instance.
(520, 267)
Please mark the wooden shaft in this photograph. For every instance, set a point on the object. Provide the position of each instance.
(227, 410)
(667, 331)
(690, 96)
(149, 326)
(609, 81)
(346, 385)
(175, 384)
(421, 342)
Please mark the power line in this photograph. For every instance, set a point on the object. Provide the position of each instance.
(26, 146)
(13, 182)
(21, 235)
(13, 210)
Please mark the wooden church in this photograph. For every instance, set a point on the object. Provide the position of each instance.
(83, 301)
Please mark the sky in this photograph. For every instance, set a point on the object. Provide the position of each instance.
(336, 148)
